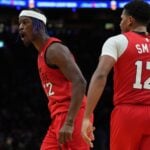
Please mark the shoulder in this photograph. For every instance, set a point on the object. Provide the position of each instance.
(117, 42)
(57, 52)
(56, 49)
(57, 45)
(117, 38)
(115, 46)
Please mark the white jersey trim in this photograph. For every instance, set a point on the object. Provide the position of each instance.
(115, 46)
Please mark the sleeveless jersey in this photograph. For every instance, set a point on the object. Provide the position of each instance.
(132, 71)
(56, 86)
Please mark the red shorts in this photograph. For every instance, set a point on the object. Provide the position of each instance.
(50, 141)
(130, 128)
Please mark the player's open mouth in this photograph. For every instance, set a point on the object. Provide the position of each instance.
(22, 35)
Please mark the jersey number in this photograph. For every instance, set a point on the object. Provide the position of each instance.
(138, 84)
(49, 86)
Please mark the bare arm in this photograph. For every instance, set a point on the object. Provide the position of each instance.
(97, 83)
(96, 87)
(60, 56)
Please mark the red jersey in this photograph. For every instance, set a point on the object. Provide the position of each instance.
(132, 71)
(56, 86)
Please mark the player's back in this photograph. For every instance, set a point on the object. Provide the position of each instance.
(132, 71)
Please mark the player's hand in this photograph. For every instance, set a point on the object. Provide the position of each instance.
(65, 133)
(87, 131)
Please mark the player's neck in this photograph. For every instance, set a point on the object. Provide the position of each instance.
(39, 42)
(140, 29)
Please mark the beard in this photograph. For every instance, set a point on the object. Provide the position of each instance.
(27, 43)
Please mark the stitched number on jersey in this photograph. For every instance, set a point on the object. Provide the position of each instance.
(49, 86)
(138, 84)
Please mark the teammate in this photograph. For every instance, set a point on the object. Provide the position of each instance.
(62, 81)
(129, 54)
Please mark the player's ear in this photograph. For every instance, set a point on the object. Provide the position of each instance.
(131, 20)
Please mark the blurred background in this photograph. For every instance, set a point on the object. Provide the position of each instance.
(83, 25)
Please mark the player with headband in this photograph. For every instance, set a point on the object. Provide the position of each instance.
(34, 14)
(62, 81)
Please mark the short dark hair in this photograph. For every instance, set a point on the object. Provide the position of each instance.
(139, 10)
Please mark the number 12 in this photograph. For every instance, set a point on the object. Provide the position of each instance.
(138, 84)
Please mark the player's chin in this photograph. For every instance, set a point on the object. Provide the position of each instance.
(26, 43)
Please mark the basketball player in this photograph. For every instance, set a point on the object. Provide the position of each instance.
(129, 54)
(62, 82)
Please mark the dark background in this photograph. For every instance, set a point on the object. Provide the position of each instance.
(24, 116)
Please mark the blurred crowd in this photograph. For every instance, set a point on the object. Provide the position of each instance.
(24, 116)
